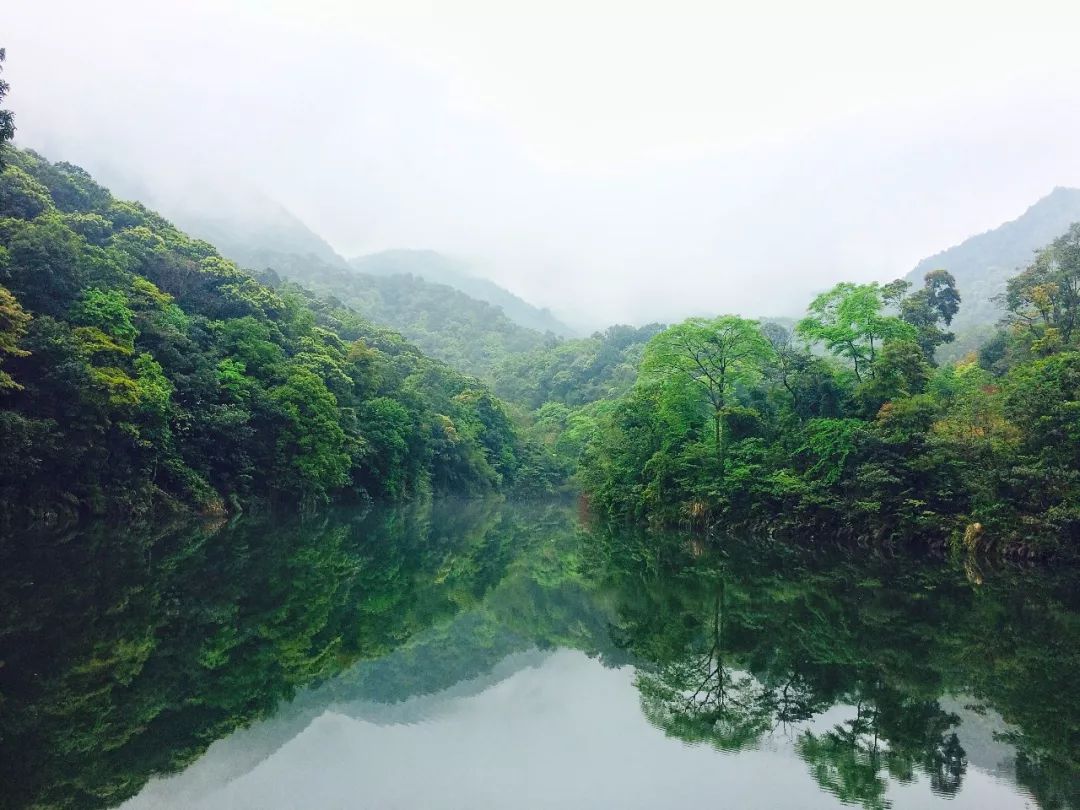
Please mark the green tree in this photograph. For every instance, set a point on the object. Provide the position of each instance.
(849, 321)
(713, 356)
(13, 322)
(108, 311)
(1043, 301)
(311, 457)
(7, 117)
(900, 370)
(928, 308)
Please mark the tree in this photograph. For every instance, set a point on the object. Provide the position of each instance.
(848, 320)
(108, 311)
(7, 117)
(713, 355)
(311, 457)
(900, 370)
(1043, 301)
(936, 303)
(13, 322)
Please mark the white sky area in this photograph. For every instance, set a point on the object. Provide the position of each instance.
(616, 161)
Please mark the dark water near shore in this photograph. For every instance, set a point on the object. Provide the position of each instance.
(488, 655)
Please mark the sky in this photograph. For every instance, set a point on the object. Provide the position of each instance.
(615, 161)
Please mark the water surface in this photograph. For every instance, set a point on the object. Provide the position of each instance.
(488, 655)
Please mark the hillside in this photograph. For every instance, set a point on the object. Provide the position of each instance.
(440, 269)
(242, 222)
(468, 322)
(982, 263)
(578, 371)
(142, 371)
(471, 335)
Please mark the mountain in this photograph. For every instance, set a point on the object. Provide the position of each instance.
(143, 372)
(471, 335)
(468, 322)
(242, 222)
(983, 263)
(577, 371)
(440, 269)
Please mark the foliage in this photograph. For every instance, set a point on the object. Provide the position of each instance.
(575, 372)
(7, 117)
(141, 372)
(1043, 301)
(471, 335)
(878, 444)
(713, 357)
(848, 320)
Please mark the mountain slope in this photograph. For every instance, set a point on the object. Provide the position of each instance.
(983, 263)
(440, 269)
(469, 322)
(471, 335)
(243, 223)
(141, 370)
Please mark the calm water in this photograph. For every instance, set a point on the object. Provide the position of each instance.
(490, 655)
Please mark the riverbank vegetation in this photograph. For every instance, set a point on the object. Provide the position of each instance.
(845, 426)
(140, 370)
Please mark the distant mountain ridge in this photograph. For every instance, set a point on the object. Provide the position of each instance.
(471, 335)
(441, 269)
(982, 264)
(245, 224)
(259, 233)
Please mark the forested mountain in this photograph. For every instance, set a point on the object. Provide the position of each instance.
(577, 371)
(405, 290)
(471, 335)
(845, 427)
(141, 369)
(567, 385)
(982, 264)
(440, 269)
(242, 222)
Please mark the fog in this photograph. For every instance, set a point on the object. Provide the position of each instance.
(613, 161)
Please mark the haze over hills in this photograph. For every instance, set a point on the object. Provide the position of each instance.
(244, 223)
(442, 269)
(430, 298)
(405, 289)
(982, 264)
(472, 335)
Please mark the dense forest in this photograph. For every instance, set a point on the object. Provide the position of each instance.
(143, 370)
(983, 264)
(845, 427)
(472, 335)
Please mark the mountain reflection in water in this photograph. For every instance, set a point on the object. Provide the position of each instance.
(492, 654)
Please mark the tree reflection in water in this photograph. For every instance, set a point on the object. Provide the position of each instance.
(125, 656)
(758, 639)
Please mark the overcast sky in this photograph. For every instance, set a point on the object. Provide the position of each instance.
(612, 160)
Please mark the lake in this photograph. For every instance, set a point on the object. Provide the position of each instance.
(488, 654)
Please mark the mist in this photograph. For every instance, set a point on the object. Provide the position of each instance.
(611, 163)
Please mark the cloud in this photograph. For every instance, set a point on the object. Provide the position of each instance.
(614, 162)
